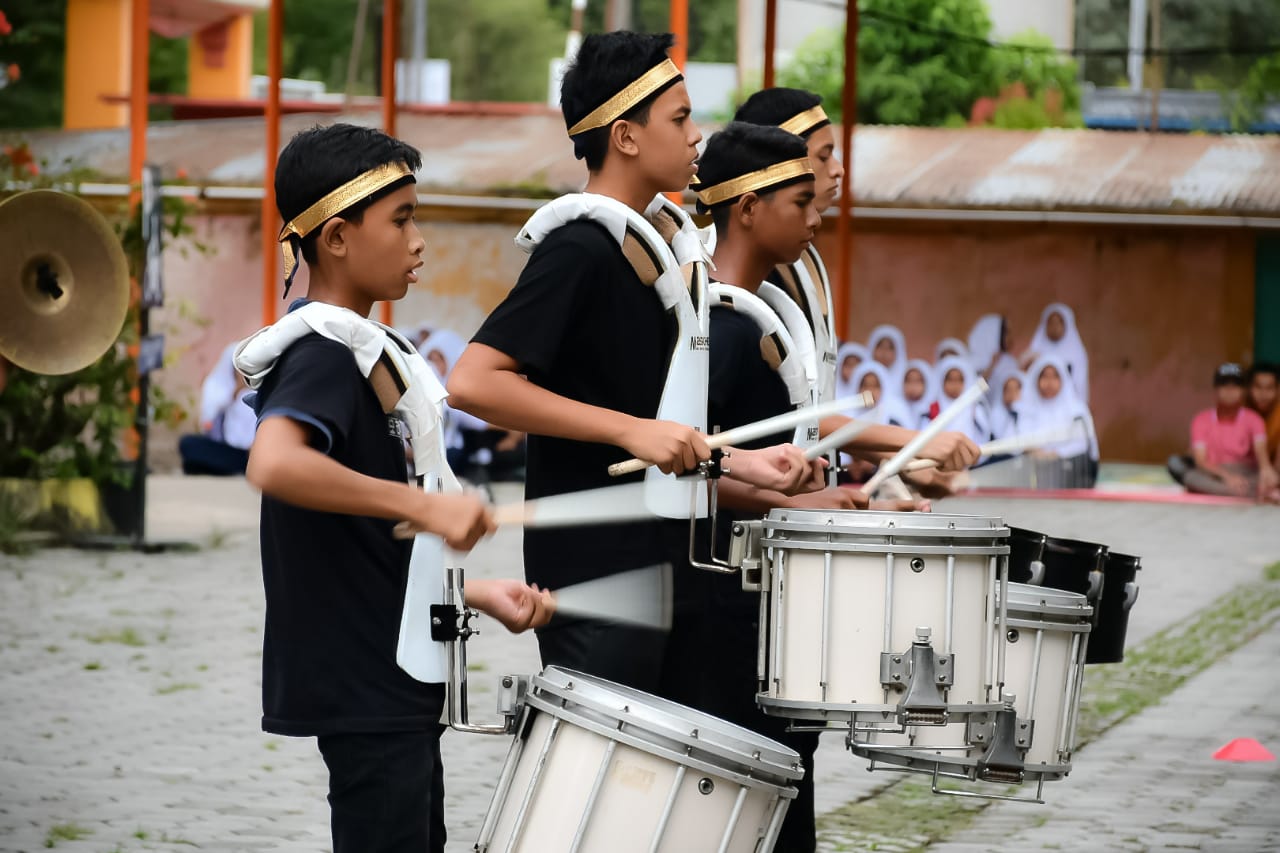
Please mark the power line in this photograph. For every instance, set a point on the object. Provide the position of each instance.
(1121, 52)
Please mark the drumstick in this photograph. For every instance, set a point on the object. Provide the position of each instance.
(915, 445)
(759, 429)
(839, 438)
(607, 505)
(637, 597)
(1013, 444)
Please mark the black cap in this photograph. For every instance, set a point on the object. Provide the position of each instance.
(1228, 374)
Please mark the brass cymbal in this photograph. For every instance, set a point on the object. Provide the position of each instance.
(64, 282)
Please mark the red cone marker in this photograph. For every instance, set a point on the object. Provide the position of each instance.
(1244, 749)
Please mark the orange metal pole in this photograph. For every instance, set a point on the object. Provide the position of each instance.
(770, 40)
(390, 39)
(679, 53)
(844, 232)
(270, 217)
(139, 51)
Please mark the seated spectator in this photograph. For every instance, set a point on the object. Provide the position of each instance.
(1228, 446)
(1049, 404)
(226, 423)
(1057, 335)
(1264, 398)
(475, 451)
(888, 346)
(1004, 415)
(955, 374)
(919, 393)
(848, 357)
(889, 409)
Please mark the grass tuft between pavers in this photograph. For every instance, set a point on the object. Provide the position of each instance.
(907, 817)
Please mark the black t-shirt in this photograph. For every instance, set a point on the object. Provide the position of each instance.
(581, 324)
(743, 389)
(335, 583)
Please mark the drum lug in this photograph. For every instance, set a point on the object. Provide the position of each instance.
(1005, 739)
(1094, 595)
(1130, 594)
(745, 554)
(925, 676)
(1037, 573)
(511, 691)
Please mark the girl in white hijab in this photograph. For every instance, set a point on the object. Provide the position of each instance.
(888, 346)
(1057, 335)
(1007, 411)
(442, 349)
(950, 346)
(848, 357)
(919, 392)
(890, 408)
(954, 375)
(989, 352)
(1050, 403)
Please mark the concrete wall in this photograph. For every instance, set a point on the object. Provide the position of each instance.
(1158, 309)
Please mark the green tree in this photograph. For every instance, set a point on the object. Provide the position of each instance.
(498, 50)
(712, 24)
(37, 45)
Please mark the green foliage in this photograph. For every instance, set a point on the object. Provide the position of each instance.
(908, 75)
(37, 46)
(712, 24)
(499, 50)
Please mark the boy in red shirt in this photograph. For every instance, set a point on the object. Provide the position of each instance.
(1229, 445)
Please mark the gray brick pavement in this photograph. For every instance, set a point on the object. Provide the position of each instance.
(129, 685)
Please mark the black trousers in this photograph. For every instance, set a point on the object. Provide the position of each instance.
(386, 792)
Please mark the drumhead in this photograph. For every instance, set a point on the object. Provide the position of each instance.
(666, 727)
(880, 524)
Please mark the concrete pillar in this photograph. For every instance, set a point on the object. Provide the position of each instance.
(220, 59)
(96, 64)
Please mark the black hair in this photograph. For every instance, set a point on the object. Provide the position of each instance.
(1267, 367)
(774, 106)
(320, 159)
(739, 149)
(605, 65)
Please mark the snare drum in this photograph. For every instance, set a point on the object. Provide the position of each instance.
(879, 618)
(1119, 592)
(1045, 641)
(599, 766)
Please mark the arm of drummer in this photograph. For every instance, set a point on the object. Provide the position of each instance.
(781, 468)
(743, 496)
(517, 605)
(487, 383)
(953, 451)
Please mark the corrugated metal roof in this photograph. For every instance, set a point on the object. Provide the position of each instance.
(1077, 170)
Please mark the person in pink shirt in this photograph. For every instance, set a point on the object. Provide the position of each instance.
(1229, 445)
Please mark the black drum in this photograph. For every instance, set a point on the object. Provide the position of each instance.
(1067, 564)
(1119, 591)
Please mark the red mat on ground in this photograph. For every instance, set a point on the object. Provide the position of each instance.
(1169, 497)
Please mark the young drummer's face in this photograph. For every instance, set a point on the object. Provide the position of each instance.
(786, 221)
(384, 250)
(668, 143)
(827, 168)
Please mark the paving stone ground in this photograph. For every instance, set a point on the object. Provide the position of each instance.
(129, 703)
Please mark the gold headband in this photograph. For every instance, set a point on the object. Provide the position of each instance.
(652, 80)
(355, 190)
(805, 121)
(754, 181)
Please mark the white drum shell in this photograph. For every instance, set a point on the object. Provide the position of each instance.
(572, 783)
(846, 587)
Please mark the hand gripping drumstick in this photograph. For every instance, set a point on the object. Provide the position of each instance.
(1013, 444)
(607, 505)
(759, 429)
(915, 445)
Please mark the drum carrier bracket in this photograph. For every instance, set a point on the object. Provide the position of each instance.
(1006, 738)
(925, 676)
(451, 624)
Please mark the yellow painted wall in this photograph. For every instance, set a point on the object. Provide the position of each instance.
(97, 63)
(222, 73)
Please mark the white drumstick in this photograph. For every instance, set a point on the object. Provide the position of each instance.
(839, 438)
(926, 435)
(760, 429)
(637, 597)
(1014, 444)
(608, 505)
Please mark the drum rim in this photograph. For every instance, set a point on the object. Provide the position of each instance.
(764, 699)
(759, 755)
(1050, 771)
(863, 520)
